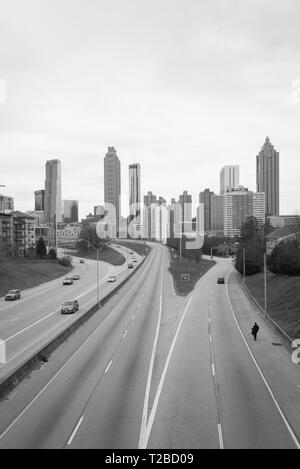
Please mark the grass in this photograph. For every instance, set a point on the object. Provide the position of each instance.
(23, 273)
(283, 294)
(109, 255)
(188, 266)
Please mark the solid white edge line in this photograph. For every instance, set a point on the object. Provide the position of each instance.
(162, 379)
(213, 369)
(296, 441)
(75, 431)
(108, 367)
(150, 372)
(221, 441)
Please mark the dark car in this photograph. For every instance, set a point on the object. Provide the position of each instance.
(75, 277)
(82, 261)
(70, 307)
(68, 281)
(13, 295)
(221, 280)
(130, 266)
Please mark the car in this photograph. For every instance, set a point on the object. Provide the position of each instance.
(68, 281)
(134, 261)
(76, 277)
(130, 266)
(70, 307)
(13, 295)
(131, 252)
(111, 279)
(82, 261)
(221, 281)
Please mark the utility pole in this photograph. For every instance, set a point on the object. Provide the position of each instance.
(265, 283)
(97, 276)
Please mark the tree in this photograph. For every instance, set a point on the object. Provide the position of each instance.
(89, 239)
(41, 248)
(252, 241)
(52, 254)
(285, 258)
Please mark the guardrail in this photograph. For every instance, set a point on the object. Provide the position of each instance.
(286, 339)
(42, 355)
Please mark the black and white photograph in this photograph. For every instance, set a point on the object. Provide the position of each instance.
(150, 227)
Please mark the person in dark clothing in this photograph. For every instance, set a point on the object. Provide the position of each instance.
(255, 330)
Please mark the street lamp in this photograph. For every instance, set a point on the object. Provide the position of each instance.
(97, 249)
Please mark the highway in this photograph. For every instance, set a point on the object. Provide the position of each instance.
(27, 323)
(157, 371)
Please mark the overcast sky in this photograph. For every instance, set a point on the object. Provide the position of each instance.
(186, 85)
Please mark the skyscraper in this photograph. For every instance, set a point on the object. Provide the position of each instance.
(241, 204)
(229, 178)
(217, 213)
(53, 197)
(267, 177)
(39, 200)
(205, 199)
(134, 189)
(70, 211)
(185, 201)
(112, 182)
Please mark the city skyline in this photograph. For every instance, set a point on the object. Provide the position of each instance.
(196, 89)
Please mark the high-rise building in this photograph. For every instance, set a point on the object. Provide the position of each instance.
(112, 183)
(267, 177)
(70, 211)
(149, 218)
(134, 189)
(39, 200)
(6, 204)
(205, 199)
(229, 178)
(53, 196)
(241, 204)
(185, 201)
(217, 213)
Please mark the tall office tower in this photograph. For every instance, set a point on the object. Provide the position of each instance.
(238, 207)
(149, 217)
(70, 211)
(205, 199)
(53, 198)
(229, 178)
(185, 201)
(267, 177)
(134, 190)
(6, 204)
(259, 207)
(217, 213)
(39, 200)
(112, 183)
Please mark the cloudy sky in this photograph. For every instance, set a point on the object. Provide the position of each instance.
(186, 86)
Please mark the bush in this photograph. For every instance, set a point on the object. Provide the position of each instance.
(66, 261)
(52, 254)
(41, 248)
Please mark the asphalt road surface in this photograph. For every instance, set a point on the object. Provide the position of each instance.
(216, 389)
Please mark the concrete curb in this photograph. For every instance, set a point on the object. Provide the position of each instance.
(42, 355)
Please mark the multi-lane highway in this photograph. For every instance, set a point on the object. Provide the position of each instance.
(28, 323)
(157, 371)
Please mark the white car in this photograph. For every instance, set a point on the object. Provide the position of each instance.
(112, 279)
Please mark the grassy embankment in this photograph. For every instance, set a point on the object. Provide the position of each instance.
(283, 295)
(188, 266)
(22, 273)
(107, 255)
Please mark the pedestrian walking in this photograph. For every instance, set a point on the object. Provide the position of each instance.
(254, 331)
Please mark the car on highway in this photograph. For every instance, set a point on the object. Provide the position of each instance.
(82, 261)
(221, 281)
(130, 266)
(112, 279)
(13, 295)
(76, 277)
(68, 281)
(134, 261)
(70, 307)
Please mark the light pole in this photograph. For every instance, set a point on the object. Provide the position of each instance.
(265, 283)
(97, 249)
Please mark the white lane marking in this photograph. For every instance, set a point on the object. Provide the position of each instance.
(75, 431)
(213, 369)
(210, 338)
(209, 319)
(14, 320)
(125, 334)
(108, 367)
(31, 325)
(221, 440)
(142, 439)
(144, 443)
(296, 441)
